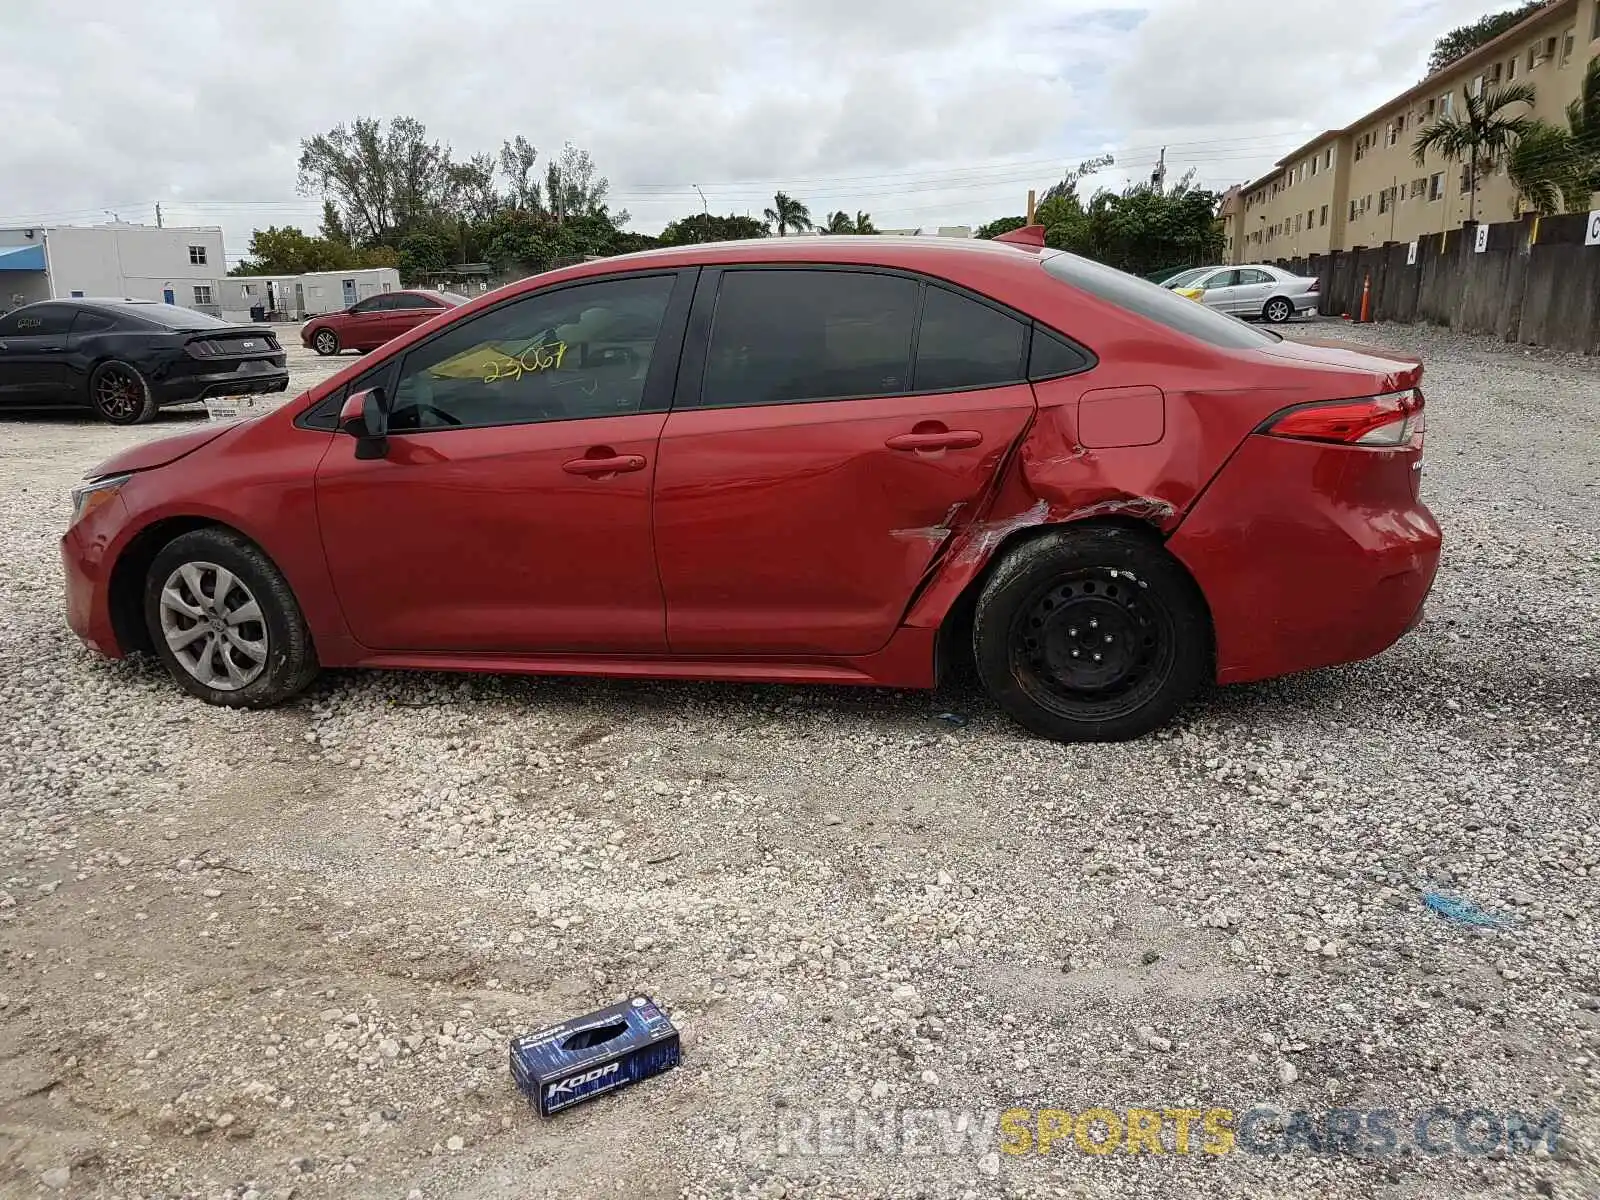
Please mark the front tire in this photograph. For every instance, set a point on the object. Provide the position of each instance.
(224, 622)
(326, 343)
(120, 395)
(1091, 635)
(1277, 310)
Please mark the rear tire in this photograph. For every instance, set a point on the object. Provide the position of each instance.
(120, 395)
(1092, 634)
(224, 622)
(326, 343)
(1277, 311)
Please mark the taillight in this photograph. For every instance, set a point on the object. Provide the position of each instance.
(1392, 419)
(1316, 286)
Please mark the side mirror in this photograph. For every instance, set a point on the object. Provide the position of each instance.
(365, 417)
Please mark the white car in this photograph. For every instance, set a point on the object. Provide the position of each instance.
(1271, 293)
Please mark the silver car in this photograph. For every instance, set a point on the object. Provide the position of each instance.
(1254, 291)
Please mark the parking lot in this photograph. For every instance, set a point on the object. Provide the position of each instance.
(268, 954)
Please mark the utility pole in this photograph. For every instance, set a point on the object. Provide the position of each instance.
(704, 207)
(1030, 206)
(158, 215)
(1158, 177)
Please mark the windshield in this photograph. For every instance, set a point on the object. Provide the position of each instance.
(1155, 303)
(1183, 277)
(169, 316)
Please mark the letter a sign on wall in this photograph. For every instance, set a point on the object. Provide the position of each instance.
(1592, 237)
(1411, 255)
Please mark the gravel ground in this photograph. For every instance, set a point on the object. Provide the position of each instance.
(278, 954)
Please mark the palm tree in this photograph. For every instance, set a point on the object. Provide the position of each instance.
(1554, 168)
(864, 222)
(1479, 136)
(788, 213)
(840, 222)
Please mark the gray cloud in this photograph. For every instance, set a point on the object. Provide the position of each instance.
(921, 111)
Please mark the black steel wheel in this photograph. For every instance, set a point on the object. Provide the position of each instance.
(1278, 310)
(120, 395)
(1093, 634)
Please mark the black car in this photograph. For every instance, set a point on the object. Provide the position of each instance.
(127, 358)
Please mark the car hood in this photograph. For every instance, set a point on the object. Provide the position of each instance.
(162, 451)
(1401, 370)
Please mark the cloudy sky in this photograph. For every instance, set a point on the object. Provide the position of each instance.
(922, 112)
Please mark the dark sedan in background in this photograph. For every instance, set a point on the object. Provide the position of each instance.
(127, 358)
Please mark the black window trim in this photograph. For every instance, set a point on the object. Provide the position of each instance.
(664, 359)
(697, 340)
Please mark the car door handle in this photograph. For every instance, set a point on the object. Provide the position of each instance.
(614, 464)
(946, 439)
(51, 349)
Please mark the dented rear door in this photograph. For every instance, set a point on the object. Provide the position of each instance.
(818, 456)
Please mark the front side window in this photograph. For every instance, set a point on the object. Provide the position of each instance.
(562, 355)
(1221, 279)
(962, 344)
(375, 304)
(783, 335)
(36, 321)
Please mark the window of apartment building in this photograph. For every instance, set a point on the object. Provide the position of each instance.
(1447, 104)
(202, 293)
(1297, 225)
(1390, 134)
(1313, 164)
(1352, 210)
(1418, 186)
(1594, 31)
(1428, 111)
(1324, 220)
(1383, 201)
(1311, 218)
(1568, 43)
(1327, 158)
(1436, 186)
(1476, 88)
(1494, 73)
(197, 256)
(1511, 65)
(1466, 179)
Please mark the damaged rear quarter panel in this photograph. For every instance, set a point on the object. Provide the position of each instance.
(1053, 478)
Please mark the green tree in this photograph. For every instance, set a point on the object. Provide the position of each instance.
(383, 181)
(333, 228)
(1141, 230)
(1479, 136)
(1002, 225)
(573, 189)
(422, 251)
(864, 222)
(707, 227)
(1466, 38)
(788, 213)
(1557, 169)
(517, 159)
(839, 222)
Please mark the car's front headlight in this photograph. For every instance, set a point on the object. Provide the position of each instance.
(92, 493)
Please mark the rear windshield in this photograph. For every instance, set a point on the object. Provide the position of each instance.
(1155, 303)
(168, 316)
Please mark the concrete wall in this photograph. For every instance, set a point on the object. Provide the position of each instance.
(22, 287)
(138, 261)
(1534, 283)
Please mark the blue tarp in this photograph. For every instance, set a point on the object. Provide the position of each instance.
(21, 258)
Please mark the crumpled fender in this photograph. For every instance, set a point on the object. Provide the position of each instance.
(1131, 452)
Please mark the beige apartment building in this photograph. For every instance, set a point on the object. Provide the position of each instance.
(1361, 185)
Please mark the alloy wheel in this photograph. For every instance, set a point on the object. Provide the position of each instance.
(1278, 311)
(326, 342)
(213, 626)
(118, 394)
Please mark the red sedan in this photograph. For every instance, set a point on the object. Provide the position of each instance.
(799, 460)
(377, 319)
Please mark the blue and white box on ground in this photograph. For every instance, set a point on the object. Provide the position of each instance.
(593, 1055)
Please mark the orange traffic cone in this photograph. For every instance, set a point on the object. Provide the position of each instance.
(1366, 298)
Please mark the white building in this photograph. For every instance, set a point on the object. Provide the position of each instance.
(296, 297)
(143, 262)
(947, 231)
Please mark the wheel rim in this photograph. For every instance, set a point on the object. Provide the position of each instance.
(1278, 310)
(1092, 645)
(326, 342)
(118, 394)
(213, 626)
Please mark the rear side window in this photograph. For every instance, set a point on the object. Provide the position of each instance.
(782, 336)
(1052, 356)
(1155, 303)
(963, 344)
(91, 322)
(405, 300)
